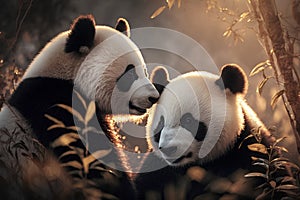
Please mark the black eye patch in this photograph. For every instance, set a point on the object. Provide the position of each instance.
(158, 129)
(125, 81)
(197, 128)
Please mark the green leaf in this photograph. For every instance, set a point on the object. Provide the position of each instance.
(256, 174)
(72, 111)
(260, 67)
(91, 110)
(258, 147)
(275, 97)
(158, 12)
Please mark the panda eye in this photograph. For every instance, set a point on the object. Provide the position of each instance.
(186, 119)
(126, 79)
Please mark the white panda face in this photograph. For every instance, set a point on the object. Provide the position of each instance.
(114, 74)
(195, 119)
(105, 65)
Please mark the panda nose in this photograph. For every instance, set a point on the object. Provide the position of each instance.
(168, 151)
(153, 100)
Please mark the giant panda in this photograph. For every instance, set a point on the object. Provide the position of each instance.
(200, 127)
(99, 63)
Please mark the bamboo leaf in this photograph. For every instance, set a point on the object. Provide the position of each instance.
(65, 139)
(67, 153)
(288, 179)
(260, 160)
(56, 126)
(279, 140)
(261, 85)
(260, 67)
(243, 15)
(279, 159)
(287, 187)
(170, 3)
(90, 158)
(258, 147)
(158, 12)
(273, 184)
(249, 136)
(72, 111)
(179, 3)
(256, 174)
(73, 163)
(101, 153)
(56, 121)
(91, 110)
(81, 99)
(227, 33)
(73, 128)
(261, 164)
(283, 149)
(276, 97)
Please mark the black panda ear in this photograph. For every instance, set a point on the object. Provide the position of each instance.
(123, 26)
(81, 37)
(234, 78)
(160, 78)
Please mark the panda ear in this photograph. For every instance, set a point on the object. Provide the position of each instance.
(123, 26)
(160, 78)
(81, 37)
(234, 78)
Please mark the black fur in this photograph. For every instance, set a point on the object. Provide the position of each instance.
(160, 78)
(82, 34)
(233, 78)
(36, 97)
(197, 128)
(125, 81)
(123, 26)
(237, 158)
(158, 129)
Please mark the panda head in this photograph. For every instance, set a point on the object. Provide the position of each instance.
(198, 116)
(104, 64)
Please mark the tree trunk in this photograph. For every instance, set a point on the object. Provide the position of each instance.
(281, 53)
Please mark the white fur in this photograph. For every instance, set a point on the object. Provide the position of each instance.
(94, 73)
(105, 63)
(197, 93)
